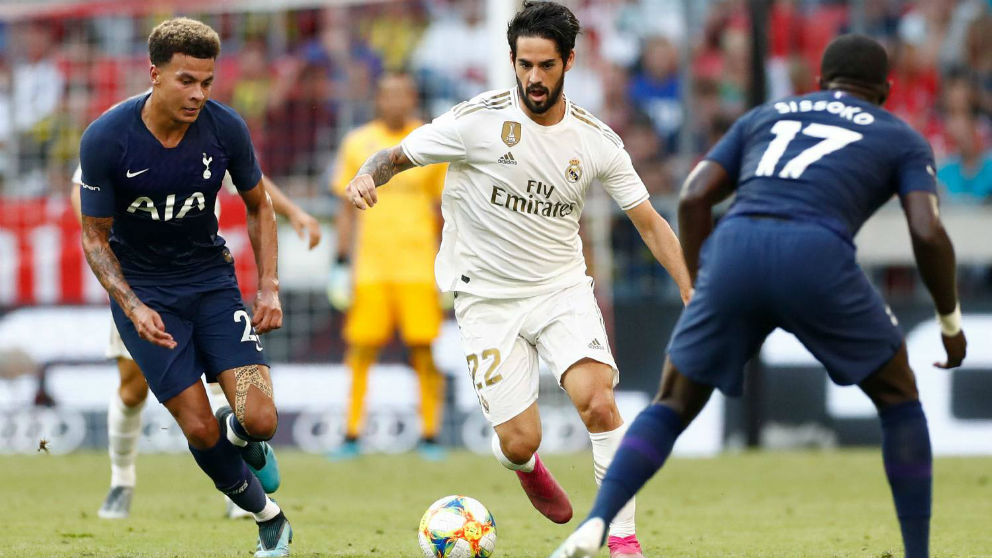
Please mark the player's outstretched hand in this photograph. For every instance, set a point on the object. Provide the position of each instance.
(956, 347)
(361, 191)
(267, 312)
(151, 328)
(306, 227)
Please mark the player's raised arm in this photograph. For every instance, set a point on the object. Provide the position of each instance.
(935, 259)
(264, 242)
(305, 225)
(377, 170)
(664, 245)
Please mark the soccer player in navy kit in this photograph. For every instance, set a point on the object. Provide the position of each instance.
(152, 167)
(808, 172)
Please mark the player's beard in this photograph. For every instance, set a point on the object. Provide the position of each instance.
(550, 97)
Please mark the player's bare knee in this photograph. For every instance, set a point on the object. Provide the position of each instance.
(520, 449)
(261, 423)
(601, 414)
(201, 432)
(133, 392)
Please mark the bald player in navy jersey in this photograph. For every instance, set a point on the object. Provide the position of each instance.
(151, 170)
(807, 171)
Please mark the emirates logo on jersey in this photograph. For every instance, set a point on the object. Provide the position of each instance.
(510, 133)
(574, 171)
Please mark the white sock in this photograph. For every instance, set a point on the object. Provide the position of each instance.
(505, 461)
(270, 510)
(216, 396)
(232, 436)
(123, 431)
(604, 446)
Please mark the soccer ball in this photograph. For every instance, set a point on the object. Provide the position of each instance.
(457, 527)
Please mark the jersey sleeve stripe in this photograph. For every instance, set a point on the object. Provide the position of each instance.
(477, 107)
(639, 201)
(608, 135)
(410, 155)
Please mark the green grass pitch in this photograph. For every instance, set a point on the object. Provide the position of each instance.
(752, 504)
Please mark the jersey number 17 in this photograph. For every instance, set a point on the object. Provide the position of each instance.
(834, 138)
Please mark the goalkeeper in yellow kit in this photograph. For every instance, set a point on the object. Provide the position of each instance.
(384, 269)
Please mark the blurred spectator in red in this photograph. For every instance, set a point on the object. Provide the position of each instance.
(913, 96)
(38, 86)
(324, 87)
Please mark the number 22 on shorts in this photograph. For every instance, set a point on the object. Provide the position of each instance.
(490, 376)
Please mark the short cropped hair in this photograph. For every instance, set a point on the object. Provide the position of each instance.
(856, 58)
(184, 36)
(548, 20)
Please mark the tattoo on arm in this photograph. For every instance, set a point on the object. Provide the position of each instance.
(104, 263)
(244, 378)
(386, 164)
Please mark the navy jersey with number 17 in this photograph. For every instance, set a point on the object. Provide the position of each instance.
(825, 157)
(819, 165)
(162, 199)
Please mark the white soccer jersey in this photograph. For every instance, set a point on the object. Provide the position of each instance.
(514, 192)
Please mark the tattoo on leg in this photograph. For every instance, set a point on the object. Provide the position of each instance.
(245, 377)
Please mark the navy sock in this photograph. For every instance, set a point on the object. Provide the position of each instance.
(223, 464)
(643, 451)
(909, 467)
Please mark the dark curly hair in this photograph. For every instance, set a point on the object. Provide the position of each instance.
(184, 36)
(548, 20)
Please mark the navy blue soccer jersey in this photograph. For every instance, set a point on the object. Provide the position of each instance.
(162, 199)
(825, 157)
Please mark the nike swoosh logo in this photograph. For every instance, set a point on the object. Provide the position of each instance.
(130, 174)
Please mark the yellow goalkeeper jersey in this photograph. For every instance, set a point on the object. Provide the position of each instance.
(395, 241)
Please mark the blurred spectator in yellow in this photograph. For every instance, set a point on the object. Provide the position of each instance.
(384, 270)
(393, 31)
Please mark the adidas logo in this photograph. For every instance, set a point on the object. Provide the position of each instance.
(507, 159)
(595, 345)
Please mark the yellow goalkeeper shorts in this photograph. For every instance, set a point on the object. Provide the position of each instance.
(378, 308)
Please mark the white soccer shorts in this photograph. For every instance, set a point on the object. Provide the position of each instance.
(115, 346)
(504, 338)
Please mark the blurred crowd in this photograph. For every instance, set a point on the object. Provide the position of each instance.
(302, 78)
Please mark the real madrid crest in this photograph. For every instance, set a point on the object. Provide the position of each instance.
(511, 133)
(574, 171)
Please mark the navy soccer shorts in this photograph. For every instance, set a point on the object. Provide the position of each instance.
(211, 326)
(757, 274)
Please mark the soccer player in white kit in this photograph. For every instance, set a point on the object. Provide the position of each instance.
(521, 162)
